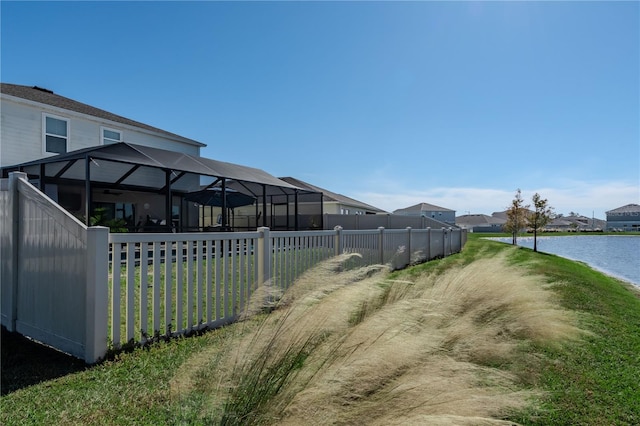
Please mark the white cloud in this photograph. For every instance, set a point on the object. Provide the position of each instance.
(582, 197)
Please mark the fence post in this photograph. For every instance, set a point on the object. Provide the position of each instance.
(450, 241)
(97, 293)
(453, 248)
(428, 243)
(5, 238)
(408, 246)
(13, 223)
(444, 242)
(264, 255)
(381, 245)
(337, 241)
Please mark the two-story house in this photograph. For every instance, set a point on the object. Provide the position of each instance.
(37, 123)
(625, 218)
(441, 214)
(90, 160)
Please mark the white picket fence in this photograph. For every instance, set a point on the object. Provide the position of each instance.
(100, 290)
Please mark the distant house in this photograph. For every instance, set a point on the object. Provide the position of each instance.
(429, 210)
(504, 214)
(576, 223)
(480, 223)
(500, 215)
(625, 218)
(573, 222)
(561, 224)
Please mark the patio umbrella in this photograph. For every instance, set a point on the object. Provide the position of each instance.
(213, 197)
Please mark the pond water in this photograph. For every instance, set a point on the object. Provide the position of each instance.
(615, 255)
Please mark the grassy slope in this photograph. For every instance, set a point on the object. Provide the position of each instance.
(596, 382)
(593, 382)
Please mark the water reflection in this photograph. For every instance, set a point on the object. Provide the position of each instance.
(616, 255)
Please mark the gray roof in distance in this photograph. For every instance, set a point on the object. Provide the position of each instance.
(504, 214)
(478, 220)
(629, 208)
(422, 207)
(331, 196)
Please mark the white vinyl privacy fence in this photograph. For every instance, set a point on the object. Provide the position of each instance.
(52, 272)
(83, 289)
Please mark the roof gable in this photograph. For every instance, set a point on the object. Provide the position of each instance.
(423, 207)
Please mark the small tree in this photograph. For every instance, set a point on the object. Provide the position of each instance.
(516, 216)
(540, 216)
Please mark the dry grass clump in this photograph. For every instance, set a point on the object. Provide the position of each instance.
(352, 347)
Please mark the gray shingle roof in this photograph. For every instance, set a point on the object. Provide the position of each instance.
(423, 207)
(331, 196)
(629, 208)
(47, 97)
(478, 219)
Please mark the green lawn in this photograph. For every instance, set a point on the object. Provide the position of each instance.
(235, 274)
(594, 381)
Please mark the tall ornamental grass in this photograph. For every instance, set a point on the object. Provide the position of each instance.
(356, 347)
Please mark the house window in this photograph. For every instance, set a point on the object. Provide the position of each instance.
(110, 136)
(56, 134)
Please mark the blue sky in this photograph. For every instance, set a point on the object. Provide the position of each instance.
(456, 104)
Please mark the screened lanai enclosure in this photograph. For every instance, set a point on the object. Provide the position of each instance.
(136, 188)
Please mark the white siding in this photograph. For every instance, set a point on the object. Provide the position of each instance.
(21, 135)
(146, 139)
(327, 207)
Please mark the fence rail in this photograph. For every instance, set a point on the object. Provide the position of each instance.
(162, 284)
(130, 288)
